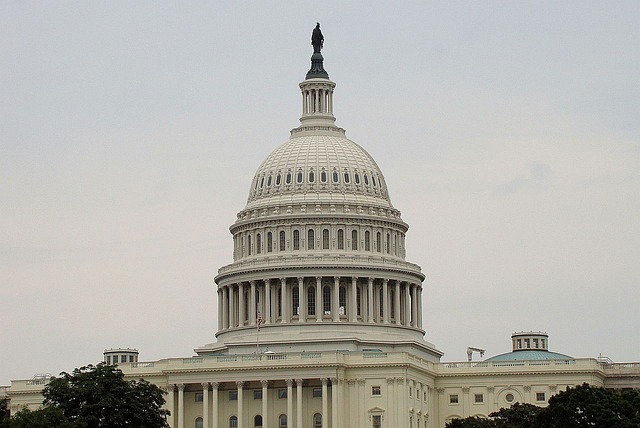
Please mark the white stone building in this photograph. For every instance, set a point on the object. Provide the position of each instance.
(320, 313)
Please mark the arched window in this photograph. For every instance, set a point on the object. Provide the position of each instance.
(282, 421)
(367, 241)
(258, 244)
(354, 240)
(269, 181)
(295, 301)
(312, 176)
(233, 422)
(317, 420)
(310, 240)
(269, 242)
(323, 176)
(299, 177)
(257, 421)
(388, 243)
(311, 300)
(358, 300)
(395, 245)
(249, 245)
(199, 422)
(378, 242)
(288, 179)
(336, 177)
(296, 239)
(346, 177)
(241, 246)
(381, 300)
(278, 179)
(392, 303)
(282, 240)
(373, 179)
(356, 176)
(325, 239)
(326, 299)
(340, 239)
(262, 182)
(366, 179)
(342, 300)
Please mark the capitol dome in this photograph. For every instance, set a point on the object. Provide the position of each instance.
(319, 250)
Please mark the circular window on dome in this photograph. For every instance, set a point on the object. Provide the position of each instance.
(366, 179)
(323, 176)
(509, 397)
(278, 179)
(312, 176)
(335, 177)
(288, 179)
(356, 177)
(299, 177)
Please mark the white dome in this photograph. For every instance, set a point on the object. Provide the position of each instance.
(318, 168)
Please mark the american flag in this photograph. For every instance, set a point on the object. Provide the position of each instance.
(259, 320)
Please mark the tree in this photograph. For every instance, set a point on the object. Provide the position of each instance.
(4, 413)
(99, 396)
(517, 416)
(594, 407)
(46, 417)
(471, 422)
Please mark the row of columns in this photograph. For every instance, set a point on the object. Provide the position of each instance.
(232, 302)
(177, 416)
(317, 101)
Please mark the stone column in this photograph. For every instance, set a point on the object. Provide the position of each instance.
(396, 303)
(220, 304)
(180, 405)
(402, 419)
(240, 404)
(414, 306)
(284, 301)
(319, 306)
(298, 403)
(289, 402)
(205, 404)
(265, 407)
(325, 403)
(391, 399)
(334, 402)
(215, 405)
(370, 300)
(171, 404)
(361, 415)
(353, 309)
(335, 301)
(252, 303)
(302, 312)
(385, 300)
(491, 401)
(267, 301)
(419, 306)
(466, 411)
(225, 307)
(241, 308)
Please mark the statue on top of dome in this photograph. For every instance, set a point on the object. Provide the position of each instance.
(317, 39)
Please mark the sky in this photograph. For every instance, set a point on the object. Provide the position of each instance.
(508, 134)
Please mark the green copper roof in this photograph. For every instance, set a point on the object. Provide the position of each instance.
(528, 355)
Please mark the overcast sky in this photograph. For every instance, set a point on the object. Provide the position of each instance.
(508, 133)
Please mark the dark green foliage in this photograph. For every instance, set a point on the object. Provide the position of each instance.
(517, 416)
(46, 417)
(99, 396)
(470, 422)
(4, 413)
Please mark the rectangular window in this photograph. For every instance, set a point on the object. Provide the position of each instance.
(425, 396)
(453, 399)
(376, 421)
(233, 395)
(410, 392)
(317, 392)
(131, 358)
(199, 397)
(115, 359)
(541, 396)
(109, 360)
(282, 393)
(257, 394)
(478, 398)
(375, 390)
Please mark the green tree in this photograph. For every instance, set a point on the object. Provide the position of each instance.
(46, 417)
(593, 407)
(471, 422)
(4, 413)
(517, 416)
(100, 397)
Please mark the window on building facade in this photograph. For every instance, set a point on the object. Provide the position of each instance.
(282, 393)
(356, 177)
(323, 176)
(278, 179)
(342, 299)
(296, 239)
(288, 179)
(249, 245)
(541, 396)
(282, 421)
(108, 359)
(233, 422)
(326, 299)
(358, 300)
(131, 358)
(317, 392)
(335, 176)
(311, 300)
(381, 300)
(282, 240)
(299, 177)
(295, 301)
(410, 392)
(317, 420)
(310, 239)
(312, 177)
(269, 242)
(378, 242)
(258, 244)
(425, 396)
(375, 390)
(376, 421)
(509, 397)
(367, 241)
(257, 394)
(388, 243)
(478, 398)
(325, 239)
(233, 395)
(115, 359)
(346, 177)
(199, 422)
(453, 399)
(257, 421)
(279, 302)
(199, 396)
(354, 240)
(340, 239)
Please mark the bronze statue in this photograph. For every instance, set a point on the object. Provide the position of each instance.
(317, 39)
